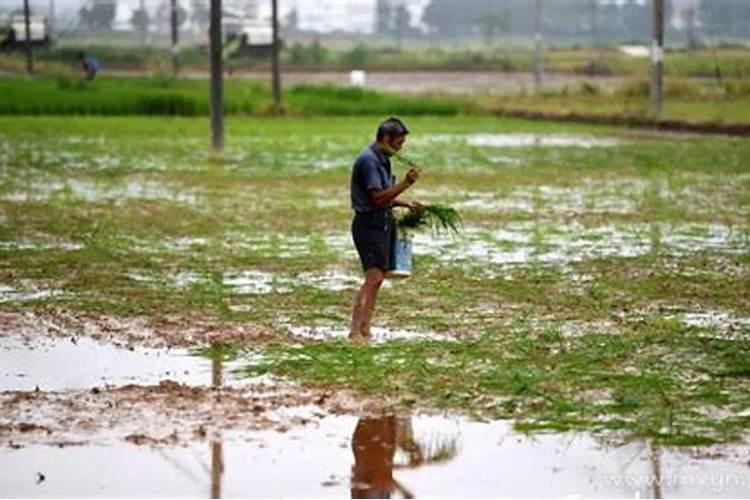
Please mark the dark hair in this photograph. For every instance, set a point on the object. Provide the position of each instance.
(392, 127)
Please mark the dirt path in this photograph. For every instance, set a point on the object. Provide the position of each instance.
(453, 82)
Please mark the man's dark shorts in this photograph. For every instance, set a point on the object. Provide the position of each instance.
(374, 234)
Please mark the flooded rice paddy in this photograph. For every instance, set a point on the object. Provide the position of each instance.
(182, 322)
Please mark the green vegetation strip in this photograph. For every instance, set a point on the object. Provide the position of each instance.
(656, 380)
(181, 97)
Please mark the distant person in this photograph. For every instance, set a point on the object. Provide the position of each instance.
(89, 66)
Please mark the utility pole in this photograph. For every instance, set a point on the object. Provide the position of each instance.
(51, 20)
(538, 56)
(217, 455)
(217, 82)
(657, 58)
(29, 53)
(175, 40)
(275, 64)
(594, 20)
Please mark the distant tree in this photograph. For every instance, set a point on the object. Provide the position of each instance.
(313, 55)
(291, 21)
(401, 23)
(492, 25)
(384, 14)
(164, 16)
(201, 15)
(726, 17)
(637, 20)
(450, 17)
(356, 58)
(99, 16)
(140, 21)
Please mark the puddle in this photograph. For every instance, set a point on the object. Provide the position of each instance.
(376, 457)
(254, 282)
(37, 245)
(55, 364)
(91, 191)
(9, 294)
(332, 280)
(523, 140)
(722, 325)
(525, 243)
(379, 334)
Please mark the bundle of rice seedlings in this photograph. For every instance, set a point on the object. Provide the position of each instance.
(438, 218)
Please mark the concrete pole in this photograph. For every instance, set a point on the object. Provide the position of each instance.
(29, 50)
(538, 56)
(657, 58)
(217, 455)
(275, 63)
(217, 82)
(51, 20)
(175, 40)
(594, 20)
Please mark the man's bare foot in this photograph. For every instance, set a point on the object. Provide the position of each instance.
(359, 339)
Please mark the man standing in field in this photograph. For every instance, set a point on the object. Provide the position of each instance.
(374, 193)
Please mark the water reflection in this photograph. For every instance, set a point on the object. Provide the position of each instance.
(217, 452)
(375, 443)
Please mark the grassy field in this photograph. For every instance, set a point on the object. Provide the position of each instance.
(164, 95)
(695, 101)
(731, 61)
(600, 281)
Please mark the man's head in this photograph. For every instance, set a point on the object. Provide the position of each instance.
(81, 56)
(392, 134)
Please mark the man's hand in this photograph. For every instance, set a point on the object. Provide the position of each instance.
(412, 175)
(414, 205)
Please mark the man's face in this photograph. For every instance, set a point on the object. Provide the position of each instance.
(395, 143)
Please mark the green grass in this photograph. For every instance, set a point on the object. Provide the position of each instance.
(572, 320)
(684, 100)
(163, 95)
(652, 381)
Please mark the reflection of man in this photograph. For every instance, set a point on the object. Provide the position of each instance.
(374, 446)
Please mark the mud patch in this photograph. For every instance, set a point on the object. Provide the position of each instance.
(158, 332)
(165, 413)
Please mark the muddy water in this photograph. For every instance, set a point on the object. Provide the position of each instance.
(387, 456)
(55, 364)
(303, 449)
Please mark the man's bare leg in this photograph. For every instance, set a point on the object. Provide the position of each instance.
(364, 304)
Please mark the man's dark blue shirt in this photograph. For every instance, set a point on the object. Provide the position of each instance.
(371, 170)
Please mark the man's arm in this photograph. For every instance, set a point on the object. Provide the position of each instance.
(381, 197)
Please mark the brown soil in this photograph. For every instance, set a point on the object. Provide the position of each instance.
(167, 413)
(157, 332)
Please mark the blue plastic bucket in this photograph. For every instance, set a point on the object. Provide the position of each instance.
(401, 262)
